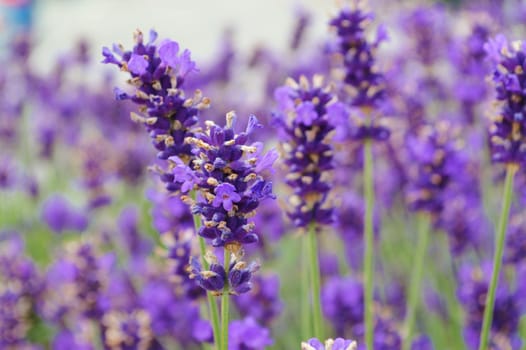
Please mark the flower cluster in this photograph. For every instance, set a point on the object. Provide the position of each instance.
(508, 129)
(305, 128)
(157, 74)
(19, 289)
(229, 174)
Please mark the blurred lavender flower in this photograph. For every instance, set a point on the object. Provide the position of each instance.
(20, 288)
(60, 215)
(263, 302)
(330, 344)
(128, 331)
(507, 131)
(179, 249)
(75, 283)
(172, 315)
(509, 306)
(304, 123)
(247, 334)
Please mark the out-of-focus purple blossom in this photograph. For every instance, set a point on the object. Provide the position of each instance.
(20, 289)
(83, 272)
(364, 84)
(435, 163)
(136, 245)
(330, 344)
(427, 26)
(231, 181)
(515, 252)
(422, 342)
(173, 316)
(509, 305)
(304, 125)
(128, 331)
(247, 334)
(80, 338)
(169, 213)
(508, 129)
(179, 249)
(342, 301)
(262, 303)
(469, 60)
(60, 215)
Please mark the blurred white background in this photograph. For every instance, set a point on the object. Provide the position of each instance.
(197, 25)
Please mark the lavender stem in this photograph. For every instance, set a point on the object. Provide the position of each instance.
(497, 260)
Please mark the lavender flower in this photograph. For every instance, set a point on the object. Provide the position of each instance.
(330, 344)
(248, 335)
(229, 174)
(304, 124)
(363, 83)
(472, 290)
(507, 131)
(61, 216)
(158, 74)
(263, 302)
(20, 289)
(128, 331)
(216, 279)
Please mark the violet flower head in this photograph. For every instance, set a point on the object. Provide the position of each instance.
(84, 272)
(509, 305)
(507, 133)
(435, 163)
(216, 280)
(305, 128)
(61, 216)
(127, 330)
(157, 74)
(231, 177)
(179, 251)
(363, 82)
(248, 335)
(330, 344)
(19, 291)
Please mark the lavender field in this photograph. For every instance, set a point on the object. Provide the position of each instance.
(278, 175)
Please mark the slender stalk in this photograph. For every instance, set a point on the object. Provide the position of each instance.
(497, 259)
(212, 305)
(314, 267)
(306, 331)
(225, 304)
(368, 263)
(416, 278)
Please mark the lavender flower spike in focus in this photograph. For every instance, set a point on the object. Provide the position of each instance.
(157, 75)
(507, 145)
(229, 174)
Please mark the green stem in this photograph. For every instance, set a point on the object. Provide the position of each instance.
(416, 278)
(314, 267)
(497, 259)
(306, 331)
(225, 304)
(368, 263)
(212, 305)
